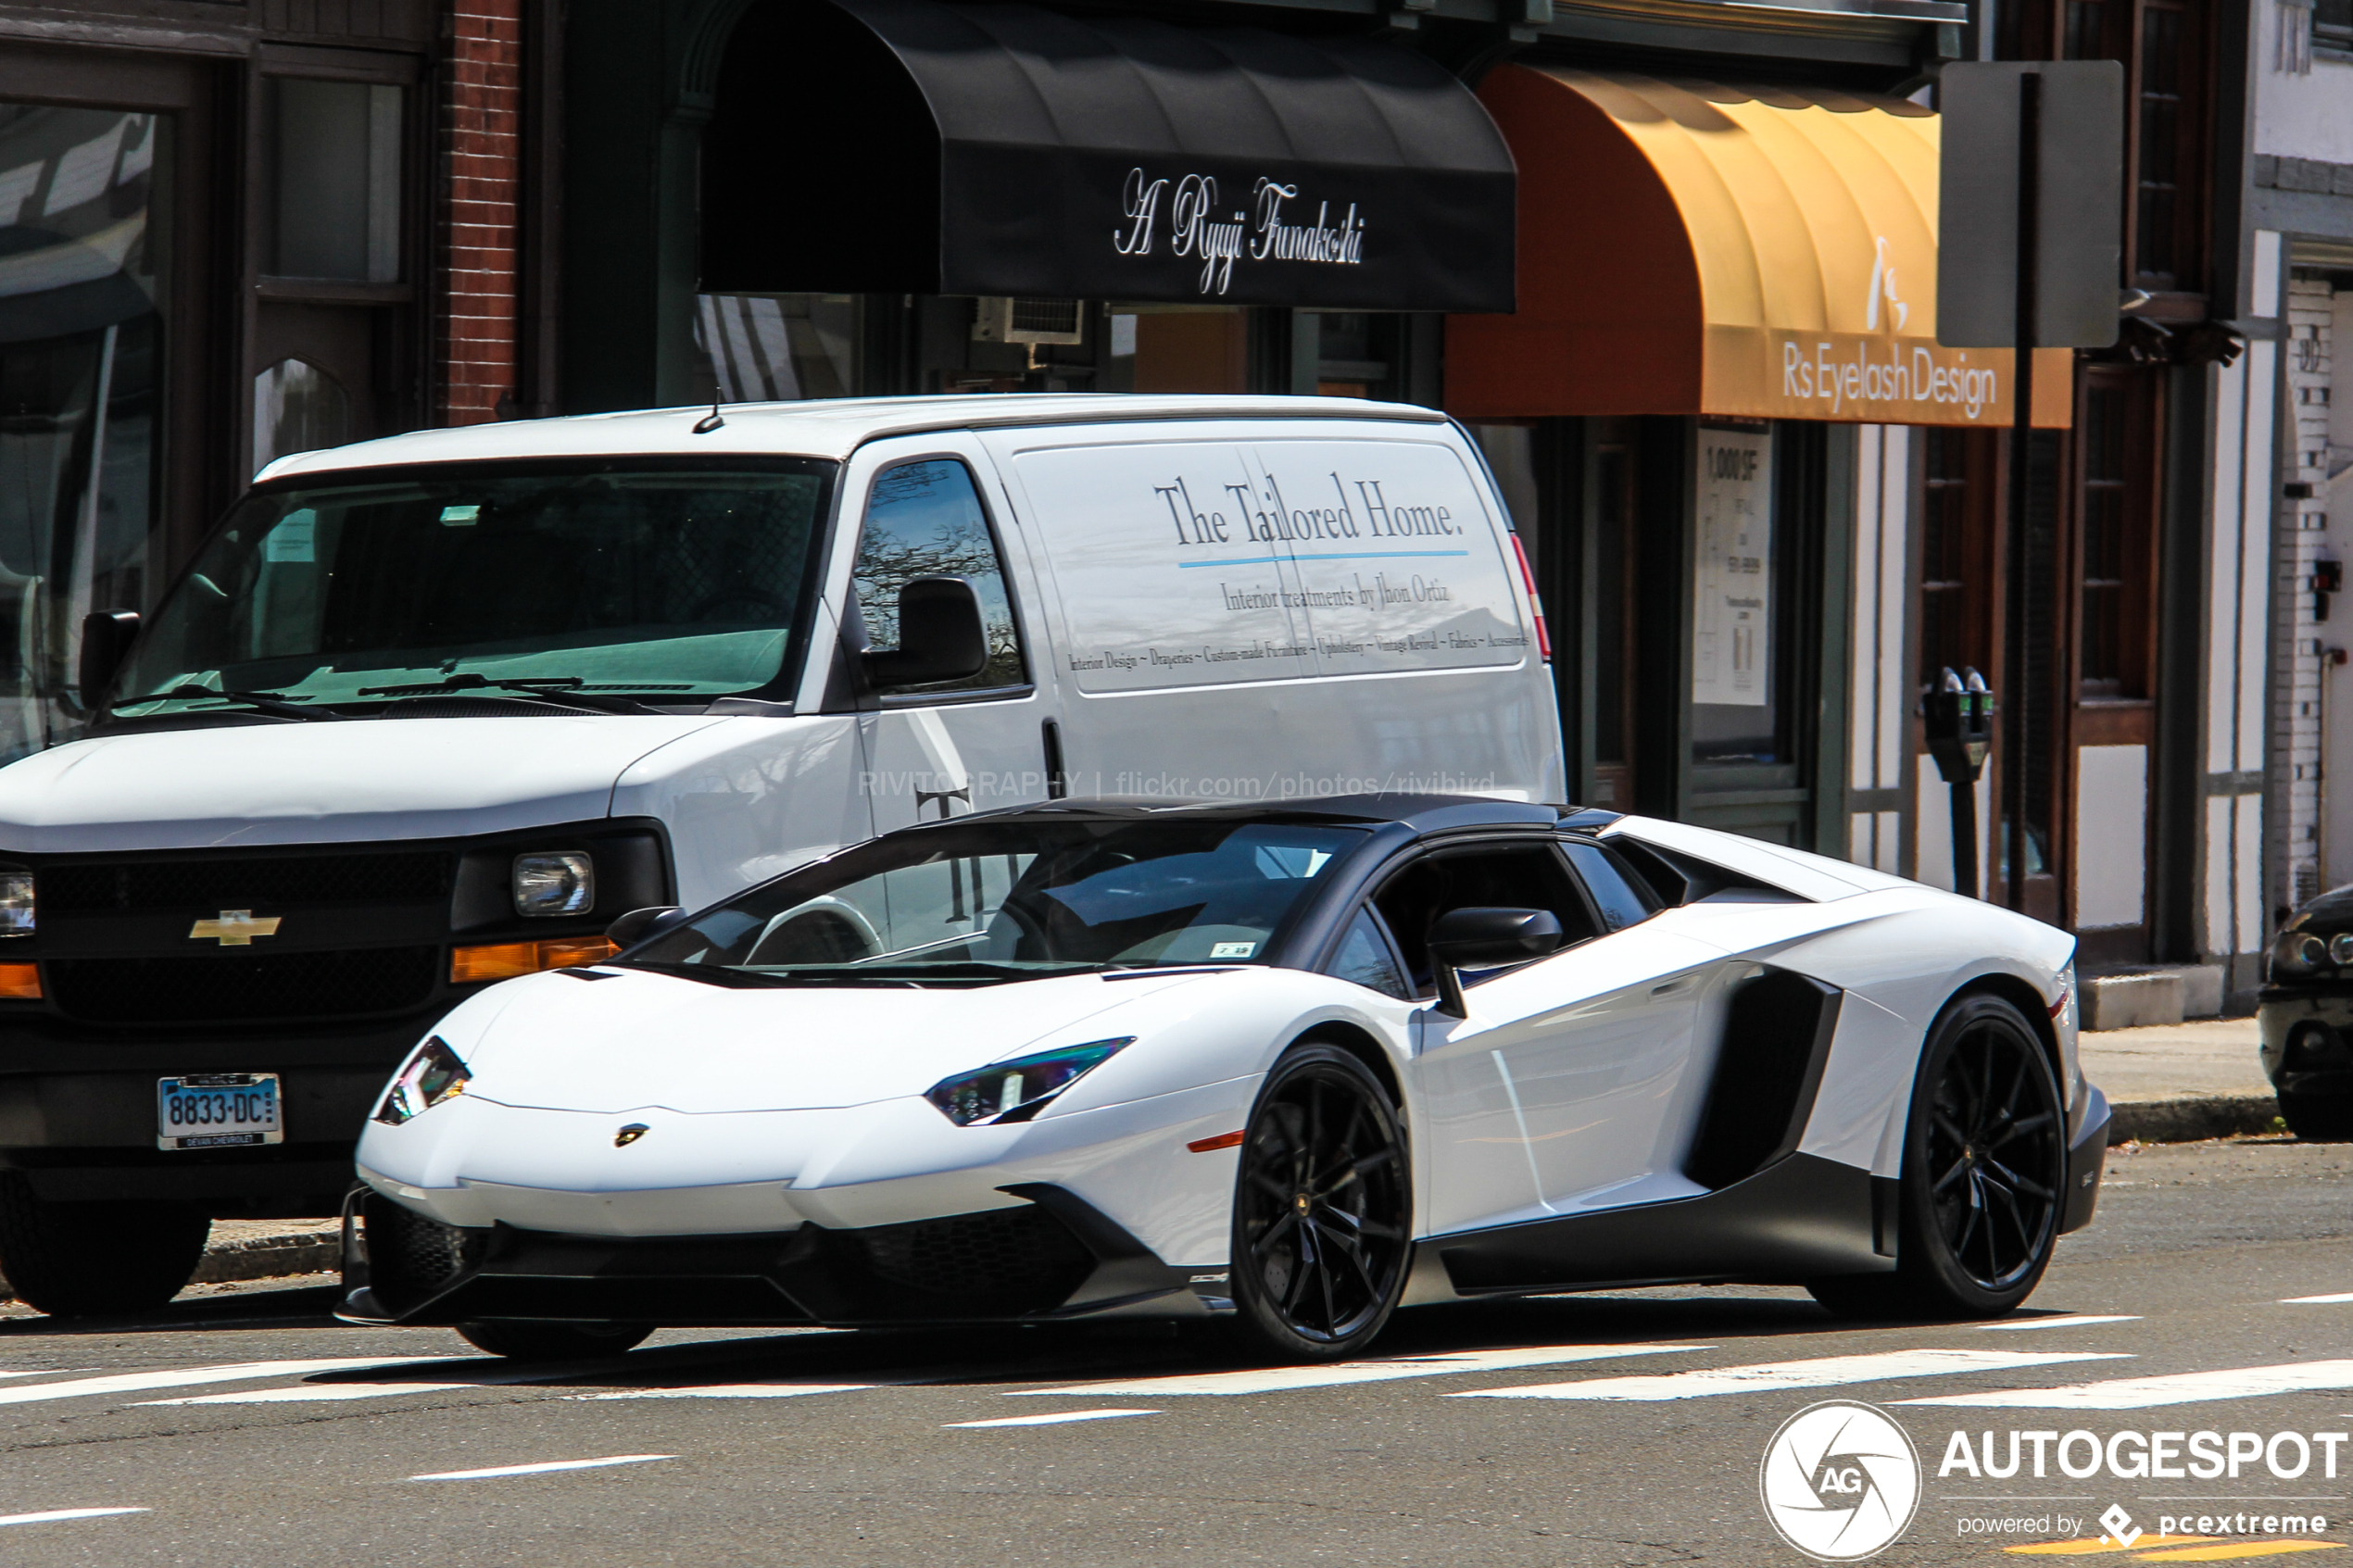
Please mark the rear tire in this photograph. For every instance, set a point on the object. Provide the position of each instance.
(2318, 1118)
(1323, 1210)
(1984, 1174)
(96, 1259)
(554, 1341)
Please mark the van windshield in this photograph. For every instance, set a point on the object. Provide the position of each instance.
(658, 585)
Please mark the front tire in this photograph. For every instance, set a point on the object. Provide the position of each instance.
(1984, 1172)
(2318, 1118)
(554, 1341)
(96, 1259)
(1323, 1210)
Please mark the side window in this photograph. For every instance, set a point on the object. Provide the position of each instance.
(925, 519)
(1617, 896)
(1365, 958)
(1533, 877)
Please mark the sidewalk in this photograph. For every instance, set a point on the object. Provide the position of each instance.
(2171, 1083)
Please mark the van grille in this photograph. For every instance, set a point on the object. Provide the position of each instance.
(172, 990)
(257, 883)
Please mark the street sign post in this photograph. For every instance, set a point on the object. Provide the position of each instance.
(2029, 234)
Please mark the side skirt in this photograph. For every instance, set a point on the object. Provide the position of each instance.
(1799, 1218)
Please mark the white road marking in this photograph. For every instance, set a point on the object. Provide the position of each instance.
(1771, 1377)
(139, 1382)
(2079, 1319)
(2318, 1300)
(2174, 1388)
(1049, 1420)
(731, 1391)
(311, 1393)
(545, 1468)
(1271, 1380)
(56, 1514)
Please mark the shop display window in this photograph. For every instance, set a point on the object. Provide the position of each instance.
(84, 215)
(333, 165)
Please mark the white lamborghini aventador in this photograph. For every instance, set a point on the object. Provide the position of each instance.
(1294, 1066)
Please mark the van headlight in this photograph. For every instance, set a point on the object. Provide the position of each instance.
(1018, 1090)
(433, 1074)
(555, 884)
(2296, 954)
(16, 903)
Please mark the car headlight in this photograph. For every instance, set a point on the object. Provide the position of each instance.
(432, 1076)
(1018, 1090)
(2295, 954)
(555, 884)
(16, 903)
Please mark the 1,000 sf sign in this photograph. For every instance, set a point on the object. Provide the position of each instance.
(1197, 563)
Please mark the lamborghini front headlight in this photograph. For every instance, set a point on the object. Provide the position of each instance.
(1018, 1090)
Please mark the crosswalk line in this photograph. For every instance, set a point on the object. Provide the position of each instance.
(544, 1467)
(2078, 1319)
(2170, 1389)
(56, 1514)
(2318, 1300)
(1822, 1372)
(1273, 1380)
(1054, 1419)
(731, 1391)
(184, 1378)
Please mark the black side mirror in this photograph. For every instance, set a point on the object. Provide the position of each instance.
(643, 925)
(105, 637)
(1476, 938)
(940, 636)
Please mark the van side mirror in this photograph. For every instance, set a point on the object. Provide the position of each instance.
(1477, 938)
(105, 637)
(940, 636)
(643, 925)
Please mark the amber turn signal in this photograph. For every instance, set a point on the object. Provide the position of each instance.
(20, 982)
(498, 960)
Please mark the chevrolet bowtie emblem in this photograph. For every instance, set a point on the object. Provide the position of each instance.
(236, 928)
(630, 1134)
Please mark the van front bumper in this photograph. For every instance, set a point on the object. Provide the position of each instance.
(88, 1133)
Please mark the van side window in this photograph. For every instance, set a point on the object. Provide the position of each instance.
(1531, 877)
(925, 519)
(1364, 958)
(1621, 899)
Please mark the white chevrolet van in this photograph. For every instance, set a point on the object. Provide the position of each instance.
(431, 712)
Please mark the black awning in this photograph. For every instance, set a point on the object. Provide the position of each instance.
(916, 146)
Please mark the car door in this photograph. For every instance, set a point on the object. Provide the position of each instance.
(955, 746)
(1575, 1064)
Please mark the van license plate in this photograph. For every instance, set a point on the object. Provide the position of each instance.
(217, 1111)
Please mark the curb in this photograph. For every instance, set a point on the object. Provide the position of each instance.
(2191, 1119)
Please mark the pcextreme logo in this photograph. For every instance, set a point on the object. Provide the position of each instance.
(1840, 1481)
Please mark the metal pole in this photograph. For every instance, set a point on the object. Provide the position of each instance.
(2019, 695)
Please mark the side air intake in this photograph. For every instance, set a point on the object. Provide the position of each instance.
(1777, 1035)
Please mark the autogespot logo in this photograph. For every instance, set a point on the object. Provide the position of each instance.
(1840, 1481)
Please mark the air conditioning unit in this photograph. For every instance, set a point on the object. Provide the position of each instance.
(999, 319)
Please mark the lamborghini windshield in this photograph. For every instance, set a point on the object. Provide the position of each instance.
(660, 584)
(1016, 897)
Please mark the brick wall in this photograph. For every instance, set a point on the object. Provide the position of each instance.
(480, 151)
(2296, 686)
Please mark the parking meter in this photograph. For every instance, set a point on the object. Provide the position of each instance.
(1959, 714)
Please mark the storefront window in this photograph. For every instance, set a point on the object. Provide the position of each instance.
(81, 296)
(297, 408)
(1945, 622)
(779, 347)
(1178, 350)
(333, 166)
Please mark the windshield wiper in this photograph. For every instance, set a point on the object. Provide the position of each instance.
(565, 688)
(262, 702)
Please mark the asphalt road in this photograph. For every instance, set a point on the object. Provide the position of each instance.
(246, 1427)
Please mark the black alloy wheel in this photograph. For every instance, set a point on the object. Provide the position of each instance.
(1984, 1173)
(1323, 1209)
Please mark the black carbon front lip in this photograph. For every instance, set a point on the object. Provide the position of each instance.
(1056, 1258)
